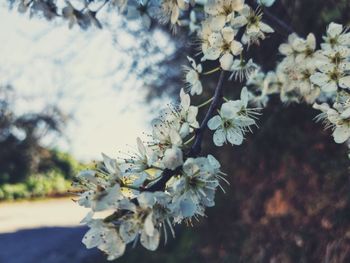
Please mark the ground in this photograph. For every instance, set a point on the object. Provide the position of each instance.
(43, 232)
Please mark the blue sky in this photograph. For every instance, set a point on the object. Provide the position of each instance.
(80, 72)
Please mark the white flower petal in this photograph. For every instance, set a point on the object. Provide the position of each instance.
(214, 122)
(175, 15)
(334, 29)
(187, 208)
(219, 137)
(330, 87)
(345, 82)
(175, 138)
(228, 34)
(236, 47)
(150, 242)
(311, 41)
(110, 164)
(211, 53)
(265, 28)
(285, 49)
(235, 136)
(229, 109)
(113, 246)
(185, 100)
(148, 225)
(217, 22)
(173, 158)
(345, 114)
(239, 21)
(184, 130)
(140, 146)
(128, 230)
(319, 79)
(226, 61)
(341, 134)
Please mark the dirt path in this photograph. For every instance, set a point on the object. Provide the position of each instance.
(45, 213)
(44, 232)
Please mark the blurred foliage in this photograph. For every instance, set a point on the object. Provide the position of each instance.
(28, 169)
(37, 185)
(21, 153)
(53, 178)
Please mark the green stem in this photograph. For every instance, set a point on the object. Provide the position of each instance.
(205, 103)
(211, 71)
(190, 140)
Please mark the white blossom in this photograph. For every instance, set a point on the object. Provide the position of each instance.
(194, 84)
(330, 78)
(220, 43)
(105, 237)
(173, 158)
(336, 36)
(232, 122)
(255, 29)
(338, 118)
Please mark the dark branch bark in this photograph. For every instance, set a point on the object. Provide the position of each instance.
(283, 28)
(160, 184)
(197, 145)
(283, 25)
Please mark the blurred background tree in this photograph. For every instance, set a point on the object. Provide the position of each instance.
(20, 151)
(27, 167)
(288, 198)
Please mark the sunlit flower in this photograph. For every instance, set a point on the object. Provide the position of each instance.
(336, 36)
(330, 78)
(171, 10)
(232, 122)
(194, 85)
(105, 237)
(173, 158)
(220, 44)
(223, 10)
(337, 119)
(255, 28)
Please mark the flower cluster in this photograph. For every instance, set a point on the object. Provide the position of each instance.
(166, 181)
(234, 119)
(137, 213)
(320, 77)
(337, 118)
(227, 28)
(219, 31)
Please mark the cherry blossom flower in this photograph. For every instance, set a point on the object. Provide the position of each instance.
(233, 120)
(194, 85)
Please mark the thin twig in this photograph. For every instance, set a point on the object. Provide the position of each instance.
(287, 28)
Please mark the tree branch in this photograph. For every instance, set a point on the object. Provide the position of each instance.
(286, 28)
(197, 145)
(283, 25)
(166, 175)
